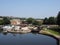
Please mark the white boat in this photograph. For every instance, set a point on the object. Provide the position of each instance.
(7, 28)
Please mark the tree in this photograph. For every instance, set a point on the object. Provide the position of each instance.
(33, 21)
(58, 18)
(1, 22)
(45, 21)
(51, 20)
(37, 23)
(6, 21)
(30, 20)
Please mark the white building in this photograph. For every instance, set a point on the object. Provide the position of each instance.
(15, 22)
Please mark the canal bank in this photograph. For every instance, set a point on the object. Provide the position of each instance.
(47, 32)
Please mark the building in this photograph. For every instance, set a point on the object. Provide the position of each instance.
(15, 22)
(1, 18)
(40, 20)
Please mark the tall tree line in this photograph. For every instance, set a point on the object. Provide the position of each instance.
(4, 21)
(52, 20)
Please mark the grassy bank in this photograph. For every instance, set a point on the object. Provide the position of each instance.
(51, 32)
(54, 32)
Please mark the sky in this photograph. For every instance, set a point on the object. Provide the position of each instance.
(29, 8)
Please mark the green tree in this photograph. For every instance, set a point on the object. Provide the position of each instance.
(51, 20)
(58, 18)
(6, 21)
(37, 23)
(1, 22)
(30, 20)
(45, 21)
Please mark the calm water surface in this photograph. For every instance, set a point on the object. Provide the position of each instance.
(26, 39)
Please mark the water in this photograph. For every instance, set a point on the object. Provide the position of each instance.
(26, 39)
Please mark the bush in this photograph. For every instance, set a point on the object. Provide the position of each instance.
(37, 23)
(1, 22)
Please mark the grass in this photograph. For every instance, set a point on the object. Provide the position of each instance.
(53, 32)
(50, 32)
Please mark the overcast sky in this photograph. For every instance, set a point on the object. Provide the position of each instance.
(29, 8)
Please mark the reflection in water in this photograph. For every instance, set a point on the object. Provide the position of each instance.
(58, 42)
(26, 39)
(5, 33)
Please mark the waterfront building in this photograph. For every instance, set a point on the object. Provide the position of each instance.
(15, 22)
